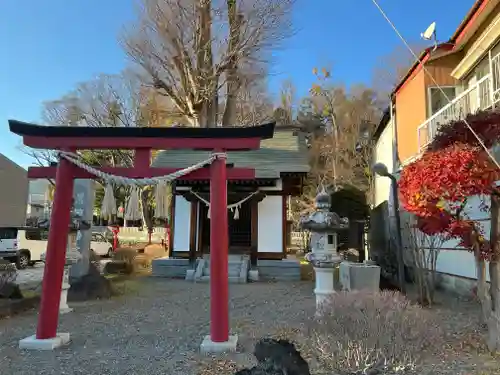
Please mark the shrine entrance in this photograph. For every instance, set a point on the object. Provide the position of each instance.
(239, 230)
(68, 140)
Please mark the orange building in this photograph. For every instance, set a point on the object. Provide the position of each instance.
(466, 67)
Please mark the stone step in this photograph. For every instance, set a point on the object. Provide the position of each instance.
(230, 271)
(232, 280)
(230, 263)
(236, 266)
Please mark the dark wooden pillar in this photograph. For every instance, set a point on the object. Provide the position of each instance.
(254, 231)
(284, 225)
(193, 226)
(172, 225)
(200, 229)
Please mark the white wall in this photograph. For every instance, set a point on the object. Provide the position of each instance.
(34, 211)
(458, 261)
(384, 153)
(182, 224)
(270, 226)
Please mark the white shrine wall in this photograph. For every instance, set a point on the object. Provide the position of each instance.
(270, 225)
(269, 229)
(182, 223)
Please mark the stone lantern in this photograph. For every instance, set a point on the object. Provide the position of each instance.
(324, 226)
(73, 255)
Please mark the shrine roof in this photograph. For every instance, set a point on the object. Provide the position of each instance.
(27, 129)
(284, 153)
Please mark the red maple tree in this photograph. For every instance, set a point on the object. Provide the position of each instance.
(436, 187)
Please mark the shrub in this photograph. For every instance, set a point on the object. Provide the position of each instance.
(8, 273)
(371, 333)
(155, 251)
(125, 255)
(95, 260)
(131, 260)
(142, 262)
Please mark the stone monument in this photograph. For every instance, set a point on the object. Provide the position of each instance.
(323, 225)
(83, 202)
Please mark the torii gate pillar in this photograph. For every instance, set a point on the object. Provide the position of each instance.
(142, 140)
(219, 339)
(47, 337)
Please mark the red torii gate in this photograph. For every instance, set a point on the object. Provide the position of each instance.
(143, 141)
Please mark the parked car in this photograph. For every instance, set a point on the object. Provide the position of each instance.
(101, 245)
(23, 246)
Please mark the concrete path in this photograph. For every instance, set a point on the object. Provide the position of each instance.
(31, 277)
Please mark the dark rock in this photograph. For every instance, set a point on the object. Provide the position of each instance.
(277, 357)
(388, 284)
(117, 267)
(11, 291)
(89, 287)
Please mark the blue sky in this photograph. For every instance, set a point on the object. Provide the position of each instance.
(51, 45)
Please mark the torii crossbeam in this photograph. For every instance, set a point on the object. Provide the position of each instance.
(143, 141)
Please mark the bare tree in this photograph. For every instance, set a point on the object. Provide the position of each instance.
(253, 105)
(284, 112)
(193, 50)
(423, 253)
(344, 150)
(107, 100)
(391, 68)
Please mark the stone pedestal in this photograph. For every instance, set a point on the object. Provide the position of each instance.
(324, 268)
(63, 305)
(360, 276)
(325, 286)
(32, 343)
(72, 257)
(211, 347)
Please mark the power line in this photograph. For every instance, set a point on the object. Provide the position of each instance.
(417, 58)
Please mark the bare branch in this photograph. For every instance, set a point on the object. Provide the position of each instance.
(193, 50)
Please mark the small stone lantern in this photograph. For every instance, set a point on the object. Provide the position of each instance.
(323, 225)
(73, 255)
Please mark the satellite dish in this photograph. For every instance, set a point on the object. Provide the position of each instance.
(430, 34)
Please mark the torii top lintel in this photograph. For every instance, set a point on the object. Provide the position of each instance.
(84, 137)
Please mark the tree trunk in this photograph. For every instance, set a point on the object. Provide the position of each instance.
(494, 288)
(204, 64)
(147, 217)
(494, 316)
(482, 288)
(232, 84)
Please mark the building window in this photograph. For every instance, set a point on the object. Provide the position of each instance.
(438, 99)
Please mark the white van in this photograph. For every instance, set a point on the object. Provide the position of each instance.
(22, 246)
(25, 246)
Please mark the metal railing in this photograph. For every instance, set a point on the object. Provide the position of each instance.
(480, 96)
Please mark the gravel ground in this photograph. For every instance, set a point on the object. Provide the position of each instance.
(156, 330)
(157, 327)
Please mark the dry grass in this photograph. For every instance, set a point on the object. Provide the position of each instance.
(155, 251)
(362, 332)
(133, 261)
(126, 287)
(444, 340)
